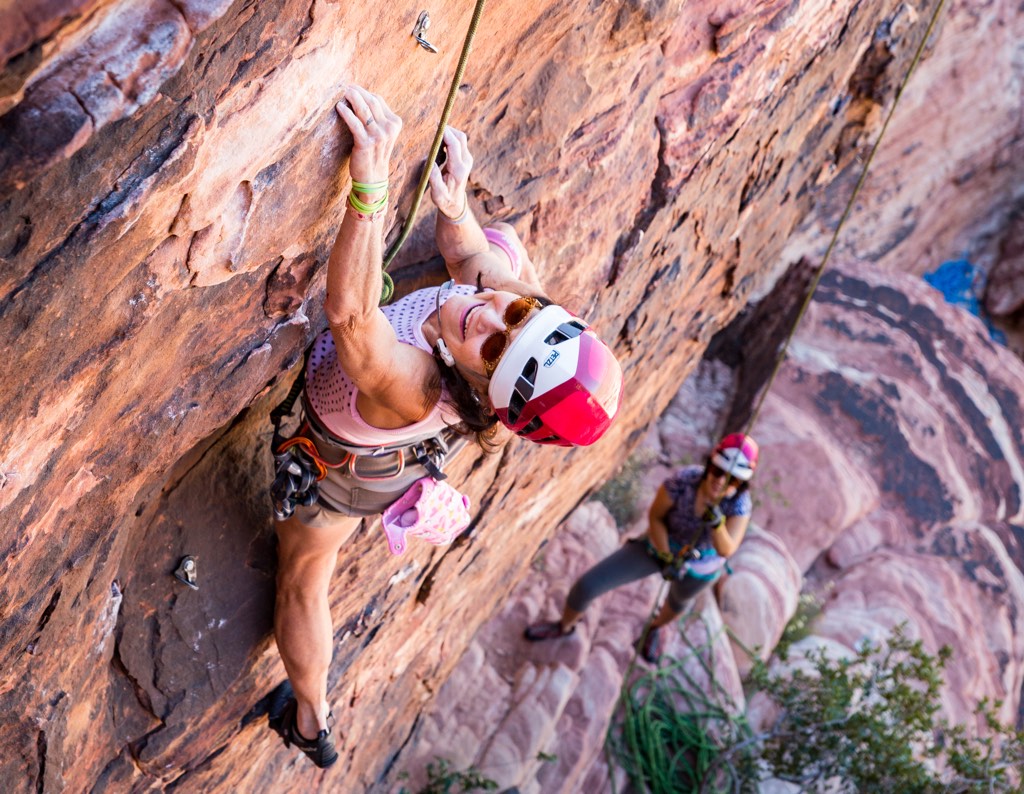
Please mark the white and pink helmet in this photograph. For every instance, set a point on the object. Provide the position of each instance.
(736, 454)
(557, 383)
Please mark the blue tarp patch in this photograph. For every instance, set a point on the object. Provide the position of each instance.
(962, 284)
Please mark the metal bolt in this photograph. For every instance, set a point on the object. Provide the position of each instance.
(186, 573)
(420, 32)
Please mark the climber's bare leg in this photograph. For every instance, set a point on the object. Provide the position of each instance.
(307, 558)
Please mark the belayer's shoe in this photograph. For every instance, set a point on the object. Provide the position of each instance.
(546, 630)
(281, 718)
(650, 645)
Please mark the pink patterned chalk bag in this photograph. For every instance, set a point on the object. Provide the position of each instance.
(431, 510)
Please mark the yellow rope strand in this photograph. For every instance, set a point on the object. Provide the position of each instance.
(846, 214)
(435, 147)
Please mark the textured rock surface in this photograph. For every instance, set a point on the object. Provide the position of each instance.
(169, 188)
(921, 549)
(922, 403)
(955, 147)
(1004, 289)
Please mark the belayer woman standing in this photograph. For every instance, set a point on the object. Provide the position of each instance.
(697, 520)
(488, 346)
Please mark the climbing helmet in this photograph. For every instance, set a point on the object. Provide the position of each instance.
(736, 454)
(557, 382)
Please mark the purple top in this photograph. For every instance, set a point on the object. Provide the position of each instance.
(683, 526)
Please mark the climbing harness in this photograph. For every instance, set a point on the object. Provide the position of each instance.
(803, 308)
(386, 471)
(385, 461)
(388, 288)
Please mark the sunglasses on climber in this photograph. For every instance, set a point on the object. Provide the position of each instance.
(716, 473)
(495, 344)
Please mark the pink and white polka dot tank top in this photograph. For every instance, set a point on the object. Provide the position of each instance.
(332, 395)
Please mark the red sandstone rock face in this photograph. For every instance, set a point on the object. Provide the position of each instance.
(171, 178)
(884, 379)
(1004, 290)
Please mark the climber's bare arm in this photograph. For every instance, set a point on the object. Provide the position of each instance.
(467, 253)
(383, 369)
(459, 236)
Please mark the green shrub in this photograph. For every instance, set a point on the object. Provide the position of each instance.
(863, 724)
(443, 779)
(622, 494)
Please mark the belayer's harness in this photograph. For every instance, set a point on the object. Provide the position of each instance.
(299, 466)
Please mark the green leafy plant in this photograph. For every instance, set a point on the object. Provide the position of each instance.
(861, 724)
(443, 779)
(808, 607)
(870, 723)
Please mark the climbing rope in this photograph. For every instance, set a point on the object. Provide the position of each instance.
(674, 726)
(388, 289)
(796, 323)
(843, 218)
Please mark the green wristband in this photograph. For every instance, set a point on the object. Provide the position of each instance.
(362, 206)
(370, 188)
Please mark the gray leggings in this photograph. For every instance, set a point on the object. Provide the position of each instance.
(628, 564)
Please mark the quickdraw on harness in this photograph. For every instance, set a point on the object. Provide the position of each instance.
(299, 466)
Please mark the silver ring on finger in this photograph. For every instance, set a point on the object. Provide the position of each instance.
(369, 121)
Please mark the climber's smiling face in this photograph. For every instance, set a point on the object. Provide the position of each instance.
(479, 328)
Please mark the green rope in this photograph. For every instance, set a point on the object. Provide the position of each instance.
(388, 289)
(632, 738)
(675, 729)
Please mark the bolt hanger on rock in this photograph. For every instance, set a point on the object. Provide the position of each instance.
(420, 32)
(186, 573)
(388, 289)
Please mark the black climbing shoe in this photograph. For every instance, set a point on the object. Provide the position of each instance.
(546, 630)
(281, 718)
(650, 646)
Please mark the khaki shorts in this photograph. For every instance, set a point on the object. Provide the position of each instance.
(316, 516)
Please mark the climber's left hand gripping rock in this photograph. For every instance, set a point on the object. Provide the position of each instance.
(375, 128)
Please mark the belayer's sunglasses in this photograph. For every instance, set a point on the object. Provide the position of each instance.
(716, 472)
(494, 345)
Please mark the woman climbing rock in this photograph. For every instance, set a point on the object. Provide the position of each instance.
(487, 347)
(697, 520)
